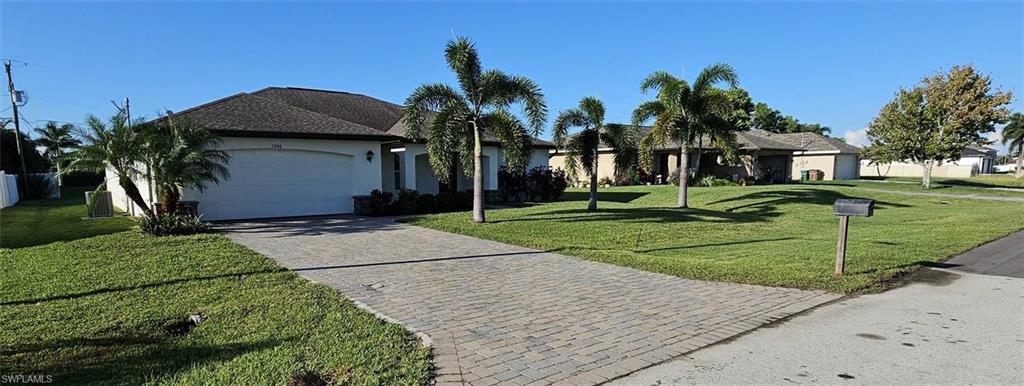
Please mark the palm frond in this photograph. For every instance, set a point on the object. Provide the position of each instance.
(464, 61)
(567, 119)
(713, 74)
(503, 90)
(514, 137)
(425, 99)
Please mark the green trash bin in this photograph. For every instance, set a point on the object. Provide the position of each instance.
(805, 175)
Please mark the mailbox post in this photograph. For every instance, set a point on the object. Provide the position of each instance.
(844, 208)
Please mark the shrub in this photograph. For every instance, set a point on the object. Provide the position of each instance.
(173, 225)
(446, 202)
(39, 186)
(82, 178)
(426, 203)
(463, 200)
(673, 177)
(605, 181)
(710, 180)
(405, 202)
(511, 185)
(545, 184)
(380, 202)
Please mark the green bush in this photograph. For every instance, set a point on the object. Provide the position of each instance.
(446, 202)
(463, 200)
(39, 186)
(173, 225)
(405, 202)
(426, 203)
(710, 180)
(380, 202)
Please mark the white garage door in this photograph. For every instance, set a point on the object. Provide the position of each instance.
(846, 167)
(279, 183)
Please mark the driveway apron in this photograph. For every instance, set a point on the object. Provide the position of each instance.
(498, 313)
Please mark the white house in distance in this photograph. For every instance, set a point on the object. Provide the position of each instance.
(973, 161)
(301, 152)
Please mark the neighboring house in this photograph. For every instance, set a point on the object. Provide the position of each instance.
(973, 161)
(767, 157)
(837, 160)
(300, 152)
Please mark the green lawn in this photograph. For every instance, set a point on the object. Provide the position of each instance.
(782, 235)
(34, 222)
(104, 310)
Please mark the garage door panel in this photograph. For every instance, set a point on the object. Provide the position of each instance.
(278, 183)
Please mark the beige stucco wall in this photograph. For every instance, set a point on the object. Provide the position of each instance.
(605, 166)
(824, 162)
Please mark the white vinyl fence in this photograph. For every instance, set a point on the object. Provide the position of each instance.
(8, 190)
(9, 187)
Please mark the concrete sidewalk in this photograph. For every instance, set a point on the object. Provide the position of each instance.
(949, 326)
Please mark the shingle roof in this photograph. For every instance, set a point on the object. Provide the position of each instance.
(747, 140)
(977, 151)
(810, 142)
(247, 113)
(307, 112)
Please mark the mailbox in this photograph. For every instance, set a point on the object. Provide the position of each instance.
(853, 207)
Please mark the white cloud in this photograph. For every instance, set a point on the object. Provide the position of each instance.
(857, 137)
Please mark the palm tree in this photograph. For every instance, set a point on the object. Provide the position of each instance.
(116, 145)
(1013, 138)
(55, 139)
(183, 155)
(682, 113)
(461, 117)
(581, 149)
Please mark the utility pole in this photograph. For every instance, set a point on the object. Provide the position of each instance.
(17, 131)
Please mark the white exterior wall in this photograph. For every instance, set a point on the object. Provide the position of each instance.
(417, 173)
(904, 169)
(539, 157)
(121, 200)
(311, 176)
(846, 167)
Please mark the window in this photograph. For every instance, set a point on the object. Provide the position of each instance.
(398, 171)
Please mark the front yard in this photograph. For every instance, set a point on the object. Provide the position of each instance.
(111, 309)
(782, 235)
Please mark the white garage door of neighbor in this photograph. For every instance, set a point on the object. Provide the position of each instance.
(280, 183)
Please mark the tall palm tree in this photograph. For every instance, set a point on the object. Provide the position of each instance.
(480, 105)
(184, 155)
(1013, 138)
(682, 113)
(56, 139)
(581, 149)
(116, 145)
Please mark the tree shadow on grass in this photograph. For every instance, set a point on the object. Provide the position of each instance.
(622, 197)
(138, 287)
(124, 359)
(643, 215)
(772, 199)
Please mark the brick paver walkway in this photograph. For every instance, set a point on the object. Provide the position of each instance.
(498, 313)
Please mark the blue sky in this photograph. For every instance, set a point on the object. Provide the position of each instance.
(834, 64)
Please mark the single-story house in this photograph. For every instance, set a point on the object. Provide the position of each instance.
(837, 160)
(300, 152)
(764, 156)
(973, 161)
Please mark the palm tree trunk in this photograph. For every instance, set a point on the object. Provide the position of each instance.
(133, 193)
(592, 205)
(926, 175)
(684, 174)
(478, 177)
(1020, 162)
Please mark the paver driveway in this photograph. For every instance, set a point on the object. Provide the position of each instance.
(498, 313)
